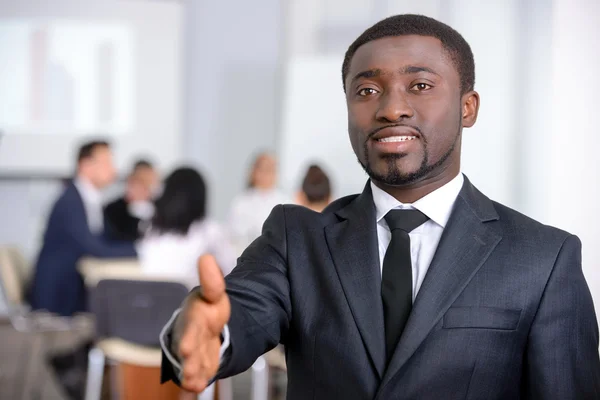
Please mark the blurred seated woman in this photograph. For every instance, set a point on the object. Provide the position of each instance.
(252, 207)
(179, 232)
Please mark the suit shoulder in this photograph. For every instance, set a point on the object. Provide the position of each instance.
(67, 199)
(68, 195)
(519, 225)
(297, 215)
(339, 204)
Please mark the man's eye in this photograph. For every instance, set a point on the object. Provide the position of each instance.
(419, 87)
(367, 92)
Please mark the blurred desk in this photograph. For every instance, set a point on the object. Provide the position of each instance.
(94, 269)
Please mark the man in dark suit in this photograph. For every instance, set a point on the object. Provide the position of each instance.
(76, 229)
(127, 215)
(420, 287)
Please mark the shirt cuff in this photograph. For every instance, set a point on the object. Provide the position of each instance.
(174, 358)
(165, 340)
(226, 342)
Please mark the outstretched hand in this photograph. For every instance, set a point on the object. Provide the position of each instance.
(206, 317)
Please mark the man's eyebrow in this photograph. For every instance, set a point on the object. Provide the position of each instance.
(415, 69)
(371, 73)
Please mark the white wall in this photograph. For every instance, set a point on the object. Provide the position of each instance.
(233, 57)
(156, 28)
(315, 126)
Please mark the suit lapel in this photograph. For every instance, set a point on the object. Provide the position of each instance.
(353, 246)
(466, 243)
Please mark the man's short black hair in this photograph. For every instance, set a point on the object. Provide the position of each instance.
(87, 149)
(410, 24)
(142, 163)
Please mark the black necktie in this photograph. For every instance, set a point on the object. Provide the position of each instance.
(396, 279)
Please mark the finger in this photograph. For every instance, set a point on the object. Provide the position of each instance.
(195, 365)
(211, 279)
(213, 351)
(189, 340)
(195, 386)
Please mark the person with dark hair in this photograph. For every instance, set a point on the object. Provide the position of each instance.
(251, 208)
(76, 229)
(420, 287)
(180, 231)
(127, 215)
(315, 192)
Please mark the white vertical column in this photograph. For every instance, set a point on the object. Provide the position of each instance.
(573, 195)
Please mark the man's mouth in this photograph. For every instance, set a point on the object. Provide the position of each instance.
(394, 139)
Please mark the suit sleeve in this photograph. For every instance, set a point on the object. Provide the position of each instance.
(95, 246)
(259, 293)
(562, 354)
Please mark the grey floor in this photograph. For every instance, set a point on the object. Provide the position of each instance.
(24, 374)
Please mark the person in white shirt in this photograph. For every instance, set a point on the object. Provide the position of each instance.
(250, 209)
(180, 232)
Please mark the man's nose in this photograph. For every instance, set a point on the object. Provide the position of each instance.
(393, 107)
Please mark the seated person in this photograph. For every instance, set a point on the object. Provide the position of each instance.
(127, 215)
(179, 232)
(316, 189)
(76, 229)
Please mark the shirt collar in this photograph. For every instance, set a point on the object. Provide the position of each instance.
(437, 205)
(88, 192)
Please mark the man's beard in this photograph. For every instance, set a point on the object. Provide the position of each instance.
(395, 177)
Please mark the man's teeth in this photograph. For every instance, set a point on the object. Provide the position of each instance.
(393, 139)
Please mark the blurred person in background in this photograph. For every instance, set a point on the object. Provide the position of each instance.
(316, 189)
(75, 229)
(250, 210)
(128, 215)
(180, 232)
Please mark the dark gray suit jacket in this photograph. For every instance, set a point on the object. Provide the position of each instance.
(504, 311)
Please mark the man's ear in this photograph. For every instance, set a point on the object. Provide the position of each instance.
(470, 108)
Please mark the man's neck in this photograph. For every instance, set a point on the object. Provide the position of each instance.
(87, 185)
(318, 207)
(410, 193)
(86, 181)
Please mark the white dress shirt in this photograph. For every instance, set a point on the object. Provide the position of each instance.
(175, 256)
(92, 203)
(424, 239)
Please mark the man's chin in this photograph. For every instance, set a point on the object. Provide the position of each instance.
(395, 178)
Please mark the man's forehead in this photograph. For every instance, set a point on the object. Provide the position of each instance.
(398, 52)
(101, 151)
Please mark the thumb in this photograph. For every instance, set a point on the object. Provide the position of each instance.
(211, 279)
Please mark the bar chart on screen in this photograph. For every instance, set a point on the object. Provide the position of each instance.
(66, 77)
